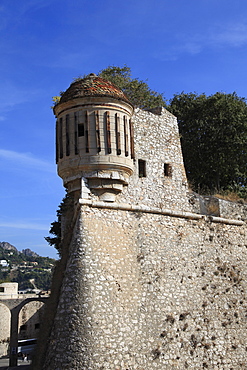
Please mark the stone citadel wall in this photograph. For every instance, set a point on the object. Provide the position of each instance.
(150, 281)
(151, 291)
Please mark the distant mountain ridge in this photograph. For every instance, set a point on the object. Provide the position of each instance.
(9, 247)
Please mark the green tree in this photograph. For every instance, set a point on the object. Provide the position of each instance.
(138, 91)
(4, 276)
(56, 227)
(43, 280)
(214, 140)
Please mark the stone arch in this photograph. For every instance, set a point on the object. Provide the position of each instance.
(15, 311)
(5, 318)
(30, 317)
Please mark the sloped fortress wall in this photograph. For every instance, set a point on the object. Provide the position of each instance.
(151, 291)
(147, 283)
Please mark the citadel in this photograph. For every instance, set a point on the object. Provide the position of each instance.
(151, 277)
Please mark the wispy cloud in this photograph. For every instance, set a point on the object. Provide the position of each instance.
(219, 36)
(14, 12)
(27, 160)
(11, 95)
(23, 225)
(68, 60)
(234, 35)
(227, 35)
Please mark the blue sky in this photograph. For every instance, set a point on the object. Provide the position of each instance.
(192, 46)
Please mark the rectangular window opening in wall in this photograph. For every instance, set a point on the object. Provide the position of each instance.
(36, 326)
(1, 289)
(167, 170)
(23, 327)
(142, 168)
(81, 129)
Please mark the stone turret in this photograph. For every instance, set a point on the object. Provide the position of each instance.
(94, 138)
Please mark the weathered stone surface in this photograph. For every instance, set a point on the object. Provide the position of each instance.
(149, 283)
(151, 292)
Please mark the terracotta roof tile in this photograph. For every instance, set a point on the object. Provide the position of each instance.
(91, 86)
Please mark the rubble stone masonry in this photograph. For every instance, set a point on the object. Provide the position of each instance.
(149, 291)
(150, 282)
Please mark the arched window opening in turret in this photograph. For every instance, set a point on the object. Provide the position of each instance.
(132, 151)
(60, 138)
(108, 131)
(126, 138)
(87, 131)
(118, 133)
(67, 136)
(76, 131)
(57, 149)
(98, 145)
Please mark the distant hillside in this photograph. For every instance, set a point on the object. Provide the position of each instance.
(9, 247)
(27, 268)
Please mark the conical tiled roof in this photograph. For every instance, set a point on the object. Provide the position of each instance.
(92, 86)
